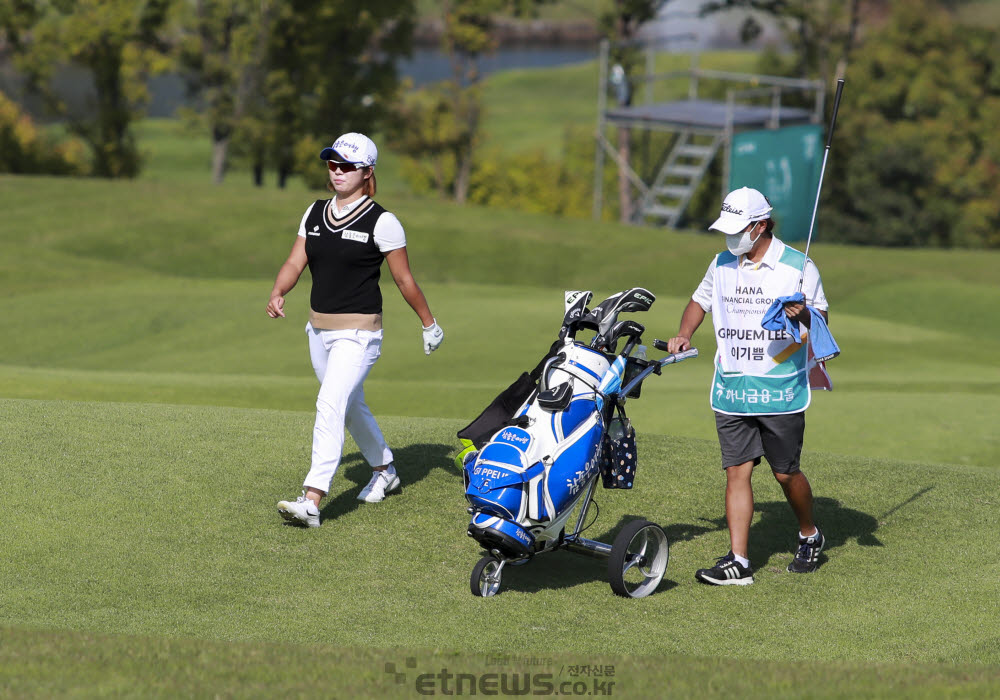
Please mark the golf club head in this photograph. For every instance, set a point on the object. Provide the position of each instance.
(576, 306)
(627, 328)
(598, 313)
(635, 299)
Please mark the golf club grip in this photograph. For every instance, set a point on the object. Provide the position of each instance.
(836, 108)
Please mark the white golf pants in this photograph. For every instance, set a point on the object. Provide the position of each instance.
(342, 360)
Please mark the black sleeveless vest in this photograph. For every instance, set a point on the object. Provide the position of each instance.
(344, 260)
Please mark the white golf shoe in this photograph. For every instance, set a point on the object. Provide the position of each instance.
(301, 510)
(381, 483)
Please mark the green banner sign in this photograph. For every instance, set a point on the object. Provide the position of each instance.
(783, 164)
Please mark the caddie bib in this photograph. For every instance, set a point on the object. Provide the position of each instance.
(757, 371)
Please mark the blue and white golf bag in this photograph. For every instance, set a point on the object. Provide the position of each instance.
(529, 473)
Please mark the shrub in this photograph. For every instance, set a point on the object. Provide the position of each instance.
(24, 149)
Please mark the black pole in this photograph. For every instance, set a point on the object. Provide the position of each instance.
(836, 108)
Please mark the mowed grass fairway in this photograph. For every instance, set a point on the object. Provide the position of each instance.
(153, 416)
(156, 523)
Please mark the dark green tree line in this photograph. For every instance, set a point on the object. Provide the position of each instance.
(917, 159)
(821, 33)
(273, 79)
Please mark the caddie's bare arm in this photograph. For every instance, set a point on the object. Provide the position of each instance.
(811, 286)
(690, 320)
(798, 312)
(399, 266)
(288, 277)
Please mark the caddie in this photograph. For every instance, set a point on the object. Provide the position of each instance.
(760, 388)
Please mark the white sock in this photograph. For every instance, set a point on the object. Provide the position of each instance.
(742, 561)
(806, 537)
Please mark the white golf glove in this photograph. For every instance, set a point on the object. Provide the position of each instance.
(433, 335)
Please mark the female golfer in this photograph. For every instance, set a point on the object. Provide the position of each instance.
(343, 241)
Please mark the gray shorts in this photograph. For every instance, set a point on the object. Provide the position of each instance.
(748, 438)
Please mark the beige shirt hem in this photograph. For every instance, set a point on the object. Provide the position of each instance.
(343, 322)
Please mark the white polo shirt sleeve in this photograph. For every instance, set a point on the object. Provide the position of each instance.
(812, 287)
(302, 224)
(389, 234)
(703, 294)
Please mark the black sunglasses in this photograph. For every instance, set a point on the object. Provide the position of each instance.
(344, 167)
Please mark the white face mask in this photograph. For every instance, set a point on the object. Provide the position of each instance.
(740, 243)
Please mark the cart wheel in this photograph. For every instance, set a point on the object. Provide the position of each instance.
(485, 580)
(638, 559)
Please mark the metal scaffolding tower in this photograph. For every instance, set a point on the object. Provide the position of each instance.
(703, 127)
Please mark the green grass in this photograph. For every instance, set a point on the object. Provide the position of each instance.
(531, 109)
(126, 666)
(153, 415)
(208, 342)
(164, 301)
(156, 522)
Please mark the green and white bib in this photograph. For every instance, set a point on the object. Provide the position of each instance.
(757, 372)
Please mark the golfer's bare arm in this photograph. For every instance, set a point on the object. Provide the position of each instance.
(288, 277)
(399, 266)
(690, 320)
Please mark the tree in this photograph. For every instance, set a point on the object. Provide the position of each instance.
(620, 25)
(220, 56)
(273, 73)
(432, 129)
(917, 161)
(331, 68)
(117, 41)
(822, 33)
(25, 149)
(468, 35)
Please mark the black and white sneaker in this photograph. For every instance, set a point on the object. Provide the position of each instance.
(726, 572)
(807, 557)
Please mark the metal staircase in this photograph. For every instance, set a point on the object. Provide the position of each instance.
(670, 192)
(703, 127)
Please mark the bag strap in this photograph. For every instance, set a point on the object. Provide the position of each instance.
(620, 408)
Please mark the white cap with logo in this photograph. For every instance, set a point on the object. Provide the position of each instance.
(741, 207)
(352, 148)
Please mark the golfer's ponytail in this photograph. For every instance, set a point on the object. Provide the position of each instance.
(368, 186)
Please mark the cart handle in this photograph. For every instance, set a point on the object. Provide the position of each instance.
(676, 357)
(655, 366)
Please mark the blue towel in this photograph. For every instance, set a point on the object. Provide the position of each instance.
(823, 345)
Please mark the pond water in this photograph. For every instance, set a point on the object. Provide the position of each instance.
(427, 65)
(430, 65)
